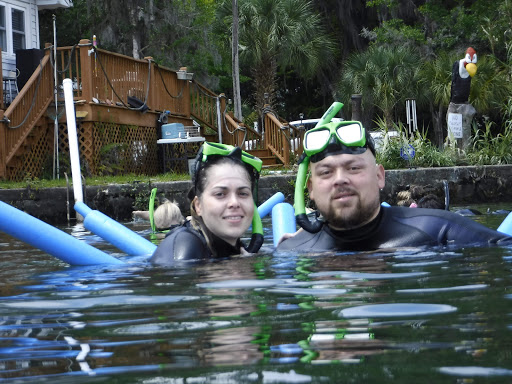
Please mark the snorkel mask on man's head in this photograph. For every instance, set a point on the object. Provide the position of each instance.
(210, 152)
(327, 139)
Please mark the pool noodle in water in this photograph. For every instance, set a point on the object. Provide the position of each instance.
(129, 241)
(49, 239)
(116, 234)
(283, 221)
(506, 226)
(265, 208)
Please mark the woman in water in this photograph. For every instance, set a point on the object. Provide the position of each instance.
(222, 207)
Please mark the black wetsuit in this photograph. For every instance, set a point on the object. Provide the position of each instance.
(186, 243)
(399, 227)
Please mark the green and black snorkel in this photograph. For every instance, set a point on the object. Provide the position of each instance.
(252, 163)
(324, 140)
(152, 210)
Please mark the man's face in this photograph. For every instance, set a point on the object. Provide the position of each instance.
(345, 189)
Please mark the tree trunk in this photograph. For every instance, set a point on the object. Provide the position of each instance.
(237, 102)
(437, 119)
(264, 76)
(135, 45)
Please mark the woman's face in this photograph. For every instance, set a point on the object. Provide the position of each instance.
(226, 204)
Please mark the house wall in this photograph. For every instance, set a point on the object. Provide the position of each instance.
(31, 31)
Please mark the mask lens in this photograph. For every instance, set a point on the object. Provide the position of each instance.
(349, 134)
(316, 140)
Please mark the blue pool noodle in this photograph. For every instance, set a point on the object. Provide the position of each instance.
(506, 226)
(283, 221)
(50, 239)
(116, 234)
(265, 208)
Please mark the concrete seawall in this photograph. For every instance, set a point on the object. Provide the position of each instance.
(468, 185)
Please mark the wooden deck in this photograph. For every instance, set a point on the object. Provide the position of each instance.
(120, 104)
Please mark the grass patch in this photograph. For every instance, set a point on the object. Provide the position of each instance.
(36, 183)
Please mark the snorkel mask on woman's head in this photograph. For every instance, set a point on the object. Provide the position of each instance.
(211, 152)
(324, 140)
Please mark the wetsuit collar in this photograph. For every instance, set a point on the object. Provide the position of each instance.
(359, 233)
(223, 248)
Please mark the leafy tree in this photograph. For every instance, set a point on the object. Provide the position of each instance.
(175, 34)
(278, 34)
(385, 77)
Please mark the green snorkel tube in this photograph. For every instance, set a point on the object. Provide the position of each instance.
(257, 233)
(302, 174)
(152, 209)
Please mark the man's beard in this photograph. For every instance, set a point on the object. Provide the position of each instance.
(348, 218)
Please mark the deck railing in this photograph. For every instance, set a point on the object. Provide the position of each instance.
(113, 78)
(282, 139)
(206, 106)
(237, 133)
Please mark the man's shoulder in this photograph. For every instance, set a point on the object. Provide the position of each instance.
(416, 212)
(305, 241)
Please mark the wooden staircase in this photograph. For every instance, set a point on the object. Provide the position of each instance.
(269, 160)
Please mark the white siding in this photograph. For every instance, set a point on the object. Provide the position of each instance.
(31, 24)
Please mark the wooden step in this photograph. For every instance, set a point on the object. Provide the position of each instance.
(268, 160)
(261, 153)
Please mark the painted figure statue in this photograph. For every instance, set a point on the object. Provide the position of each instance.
(460, 112)
(462, 72)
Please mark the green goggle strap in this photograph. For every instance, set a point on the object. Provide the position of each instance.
(210, 149)
(152, 209)
(300, 207)
(257, 233)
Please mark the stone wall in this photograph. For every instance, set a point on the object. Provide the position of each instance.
(468, 185)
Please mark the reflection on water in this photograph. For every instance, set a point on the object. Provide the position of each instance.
(397, 316)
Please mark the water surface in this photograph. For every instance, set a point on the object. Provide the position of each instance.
(409, 315)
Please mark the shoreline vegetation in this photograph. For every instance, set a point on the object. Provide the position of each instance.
(486, 148)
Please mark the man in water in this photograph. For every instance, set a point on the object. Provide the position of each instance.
(344, 183)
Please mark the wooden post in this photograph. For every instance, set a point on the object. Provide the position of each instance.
(3, 149)
(357, 114)
(3, 133)
(187, 108)
(222, 126)
(1, 88)
(265, 121)
(86, 68)
(152, 101)
(286, 144)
